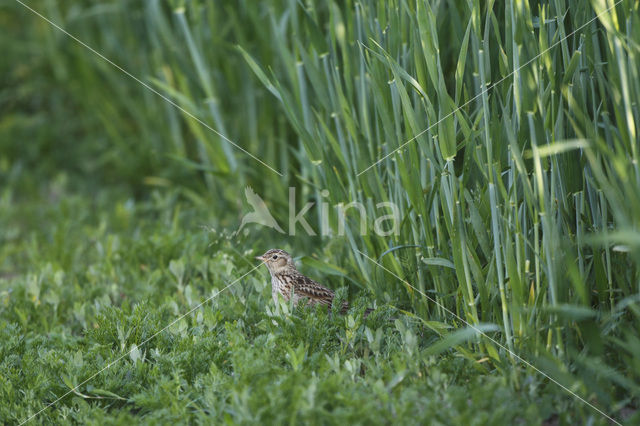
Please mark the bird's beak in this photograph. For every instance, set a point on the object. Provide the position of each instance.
(260, 258)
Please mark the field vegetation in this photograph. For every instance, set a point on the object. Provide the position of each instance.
(506, 133)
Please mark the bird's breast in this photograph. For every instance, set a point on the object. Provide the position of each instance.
(279, 285)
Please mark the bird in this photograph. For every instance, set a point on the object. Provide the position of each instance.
(288, 282)
(260, 214)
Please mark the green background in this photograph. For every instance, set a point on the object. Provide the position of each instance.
(518, 196)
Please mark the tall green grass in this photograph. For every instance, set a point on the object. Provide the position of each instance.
(519, 207)
(530, 189)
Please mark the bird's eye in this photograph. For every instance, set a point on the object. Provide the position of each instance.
(275, 256)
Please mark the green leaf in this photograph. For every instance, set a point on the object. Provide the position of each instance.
(460, 336)
(325, 267)
(438, 261)
(558, 148)
(259, 73)
(571, 312)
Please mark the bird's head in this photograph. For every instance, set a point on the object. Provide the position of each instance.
(277, 260)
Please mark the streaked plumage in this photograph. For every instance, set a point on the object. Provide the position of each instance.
(287, 281)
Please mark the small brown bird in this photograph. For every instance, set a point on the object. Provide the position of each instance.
(287, 281)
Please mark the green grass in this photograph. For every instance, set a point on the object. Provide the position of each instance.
(519, 209)
(100, 279)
